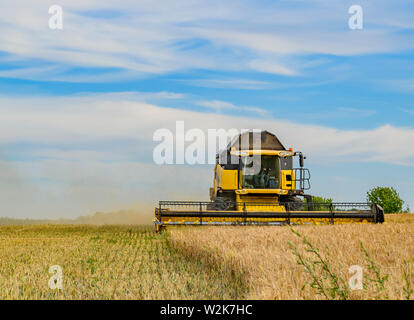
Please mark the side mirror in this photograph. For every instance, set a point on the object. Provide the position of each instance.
(301, 160)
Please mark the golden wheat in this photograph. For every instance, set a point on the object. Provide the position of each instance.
(125, 262)
(263, 257)
(111, 262)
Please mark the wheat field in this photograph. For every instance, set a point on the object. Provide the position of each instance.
(134, 262)
(108, 262)
(271, 271)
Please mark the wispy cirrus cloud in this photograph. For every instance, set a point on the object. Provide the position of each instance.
(339, 113)
(399, 85)
(141, 38)
(113, 118)
(220, 106)
(231, 83)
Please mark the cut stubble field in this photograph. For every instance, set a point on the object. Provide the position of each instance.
(134, 262)
(107, 262)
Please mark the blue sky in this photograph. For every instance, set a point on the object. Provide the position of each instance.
(79, 105)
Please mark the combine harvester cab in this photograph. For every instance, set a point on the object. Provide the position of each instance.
(255, 183)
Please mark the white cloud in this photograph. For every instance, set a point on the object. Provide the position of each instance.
(219, 106)
(399, 85)
(160, 37)
(84, 120)
(357, 112)
(271, 67)
(234, 83)
(339, 113)
(67, 156)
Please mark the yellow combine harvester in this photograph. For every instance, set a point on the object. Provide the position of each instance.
(255, 183)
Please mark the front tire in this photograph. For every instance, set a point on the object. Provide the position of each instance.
(293, 203)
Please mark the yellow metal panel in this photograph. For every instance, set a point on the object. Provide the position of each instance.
(264, 191)
(229, 179)
(259, 203)
(288, 185)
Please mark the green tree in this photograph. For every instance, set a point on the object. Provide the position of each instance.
(317, 199)
(320, 203)
(387, 198)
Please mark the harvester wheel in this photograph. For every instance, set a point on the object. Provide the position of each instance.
(293, 204)
(222, 204)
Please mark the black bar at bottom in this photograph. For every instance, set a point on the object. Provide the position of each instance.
(223, 309)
